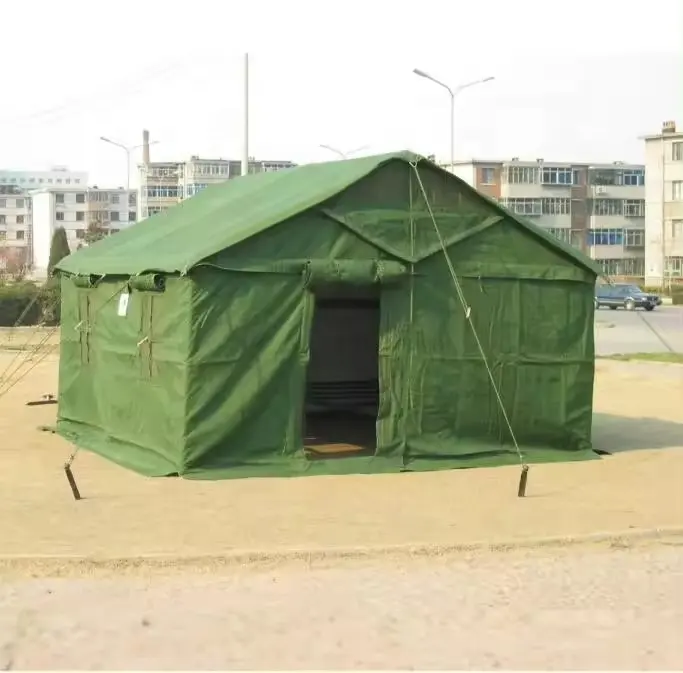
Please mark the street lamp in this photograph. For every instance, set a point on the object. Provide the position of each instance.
(343, 155)
(453, 93)
(128, 151)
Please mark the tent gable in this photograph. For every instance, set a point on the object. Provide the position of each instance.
(388, 208)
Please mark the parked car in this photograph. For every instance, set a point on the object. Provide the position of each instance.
(629, 297)
(634, 288)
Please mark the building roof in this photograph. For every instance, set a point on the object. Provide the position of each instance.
(564, 164)
(227, 213)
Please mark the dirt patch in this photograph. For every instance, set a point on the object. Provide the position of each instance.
(125, 516)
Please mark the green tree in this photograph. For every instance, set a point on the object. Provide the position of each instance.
(59, 249)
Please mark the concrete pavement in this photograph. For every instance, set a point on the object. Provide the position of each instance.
(638, 331)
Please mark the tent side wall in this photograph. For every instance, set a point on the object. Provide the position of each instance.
(122, 379)
(533, 314)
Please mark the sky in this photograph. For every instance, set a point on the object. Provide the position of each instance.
(578, 81)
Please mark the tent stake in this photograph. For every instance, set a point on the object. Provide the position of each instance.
(70, 477)
(521, 491)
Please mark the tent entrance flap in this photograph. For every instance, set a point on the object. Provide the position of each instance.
(342, 382)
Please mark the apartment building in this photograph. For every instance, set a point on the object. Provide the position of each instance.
(77, 211)
(598, 208)
(16, 214)
(164, 184)
(664, 205)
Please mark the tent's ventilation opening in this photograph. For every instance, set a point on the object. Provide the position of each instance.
(342, 388)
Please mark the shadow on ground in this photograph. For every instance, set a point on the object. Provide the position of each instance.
(616, 434)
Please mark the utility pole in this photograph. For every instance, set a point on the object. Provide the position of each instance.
(245, 140)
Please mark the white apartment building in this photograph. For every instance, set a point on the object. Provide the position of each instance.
(664, 205)
(77, 211)
(164, 184)
(598, 208)
(16, 240)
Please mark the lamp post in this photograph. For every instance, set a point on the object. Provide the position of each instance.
(452, 92)
(245, 127)
(128, 151)
(343, 155)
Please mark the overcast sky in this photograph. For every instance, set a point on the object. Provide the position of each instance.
(574, 81)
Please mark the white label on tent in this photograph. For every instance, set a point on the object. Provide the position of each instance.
(123, 305)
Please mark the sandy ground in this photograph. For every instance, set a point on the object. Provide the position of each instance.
(77, 592)
(638, 412)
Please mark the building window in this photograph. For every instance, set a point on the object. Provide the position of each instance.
(677, 151)
(3, 219)
(522, 175)
(80, 233)
(59, 217)
(556, 176)
(20, 235)
(59, 197)
(131, 215)
(132, 199)
(674, 266)
(563, 234)
(80, 216)
(19, 203)
(606, 237)
(676, 228)
(20, 219)
(677, 190)
(114, 216)
(164, 192)
(556, 206)
(114, 198)
(634, 267)
(635, 238)
(3, 203)
(488, 176)
(80, 197)
(634, 177)
(524, 206)
(195, 189)
(576, 176)
(634, 207)
(607, 207)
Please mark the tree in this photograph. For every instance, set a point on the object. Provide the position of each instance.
(59, 249)
(96, 228)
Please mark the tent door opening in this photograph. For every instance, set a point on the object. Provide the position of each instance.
(342, 383)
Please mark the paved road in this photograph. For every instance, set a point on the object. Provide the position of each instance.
(577, 609)
(623, 331)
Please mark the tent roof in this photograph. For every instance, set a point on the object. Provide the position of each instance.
(228, 213)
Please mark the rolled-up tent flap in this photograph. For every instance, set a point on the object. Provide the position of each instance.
(353, 271)
(149, 282)
(388, 271)
(90, 280)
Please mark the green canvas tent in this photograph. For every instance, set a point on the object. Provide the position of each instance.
(278, 321)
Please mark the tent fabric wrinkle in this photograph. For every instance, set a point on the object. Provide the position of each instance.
(271, 317)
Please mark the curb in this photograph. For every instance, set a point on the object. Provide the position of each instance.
(66, 564)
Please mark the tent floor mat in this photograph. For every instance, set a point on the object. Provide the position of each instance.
(339, 435)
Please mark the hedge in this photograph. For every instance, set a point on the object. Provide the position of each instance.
(25, 303)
